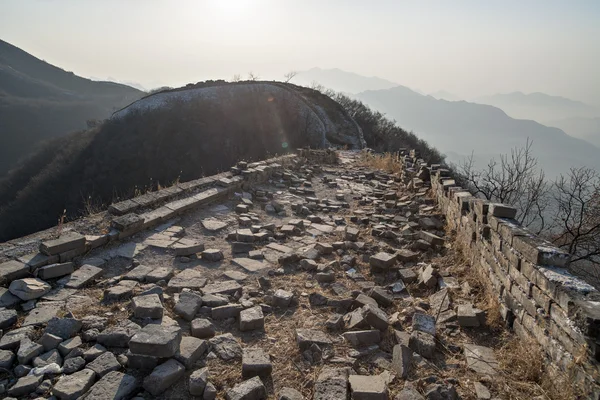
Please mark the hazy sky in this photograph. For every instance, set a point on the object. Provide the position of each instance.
(469, 48)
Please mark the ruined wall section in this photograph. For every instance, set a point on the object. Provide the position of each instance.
(530, 277)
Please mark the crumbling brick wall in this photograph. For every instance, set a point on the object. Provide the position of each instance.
(530, 277)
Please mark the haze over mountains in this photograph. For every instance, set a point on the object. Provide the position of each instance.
(39, 101)
(459, 128)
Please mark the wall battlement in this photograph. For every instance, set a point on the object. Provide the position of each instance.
(530, 277)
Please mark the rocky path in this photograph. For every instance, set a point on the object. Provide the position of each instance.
(328, 282)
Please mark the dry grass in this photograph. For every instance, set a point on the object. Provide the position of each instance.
(385, 162)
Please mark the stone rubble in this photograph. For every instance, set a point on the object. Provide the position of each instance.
(303, 268)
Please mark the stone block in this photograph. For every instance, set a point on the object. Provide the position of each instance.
(81, 277)
(365, 387)
(55, 270)
(251, 389)
(148, 306)
(67, 241)
(29, 288)
(114, 385)
(252, 319)
(191, 349)
(202, 328)
(376, 317)
(198, 381)
(72, 387)
(466, 316)
(226, 311)
(188, 305)
(401, 360)
(382, 261)
(307, 337)
(422, 343)
(424, 323)
(104, 363)
(332, 383)
(363, 338)
(255, 362)
(187, 279)
(156, 340)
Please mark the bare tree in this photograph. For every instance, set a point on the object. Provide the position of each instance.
(252, 76)
(577, 198)
(515, 180)
(236, 78)
(289, 76)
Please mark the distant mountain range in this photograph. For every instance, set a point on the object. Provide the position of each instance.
(341, 81)
(583, 128)
(39, 101)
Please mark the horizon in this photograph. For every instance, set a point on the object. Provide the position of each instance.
(466, 48)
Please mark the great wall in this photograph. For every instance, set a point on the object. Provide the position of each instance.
(308, 276)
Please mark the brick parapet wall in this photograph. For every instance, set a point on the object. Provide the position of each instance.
(530, 277)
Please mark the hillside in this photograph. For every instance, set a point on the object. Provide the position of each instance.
(540, 107)
(174, 135)
(458, 128)
(39, 101)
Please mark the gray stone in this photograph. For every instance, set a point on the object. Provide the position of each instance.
(401, 360)
(226, 347)
(407, 275)
(226, 311)
(210, 392)
(282, 298)
(466, 316)
(114, 385)
(331, 384)
(72, 365)
(307, 337)
(188, 305)
(141, 362)
(255, 362)
(212, 255)
(424, 323)
(118, 335)
(25, 385)
(202, 328)
(429, 277)
(52, 356)
(55, 270)
(225, 287)
(198, 381)
(139, 273)
(409, 393)
(334, 322)
(72, 387)
(7, 318)
(63, 327)
(65, 347)
(28, 350)
(156, 340)
(213, 225)
(42, 314)
(376, 317)
(363, 338)
(251, 319)
(211, 300)
(7, 358)
(422, 343)
(186, 247)
(356, 320)
(84, 275)
(164, 376)
(29, 288)
(7, 299)
(11, 270)
(148, 306)
(67, 241)
(104, 363)
(191, 349)
(482, 392)
(187, 279)
(44, 387)
(122, 291)
(250, 264)
(366, 387)
(440, 301)
(382, 261)
(381, 296)
(289, 394)
(252, 389)
(12, 339)
(481, 359)
(159, 274)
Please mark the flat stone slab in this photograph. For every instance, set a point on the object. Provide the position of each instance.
(424, 323)
(11, 270)
(104, 363)
(367, 387)
(255, 362)
(307, 337)
(29, 288)
(251, 319)
(156, 340)
(147, 306)
(7, 299)
(114, 385)
(139, 273)
(119, 335)
(71, 387)
(250, 264)
(481, 359)
(224, 287)
(188, 278)
(68, 241)
(55, 270)
(163, 377)
(190, 350)
(252, 389)
(226, 347)
(331, 384)
(59, 294)
(84, 275)
(213, 224)
(323, 228)
(235, 275)
(41, 314)
(279, 247)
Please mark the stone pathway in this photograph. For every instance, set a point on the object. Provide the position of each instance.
(327, 282)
